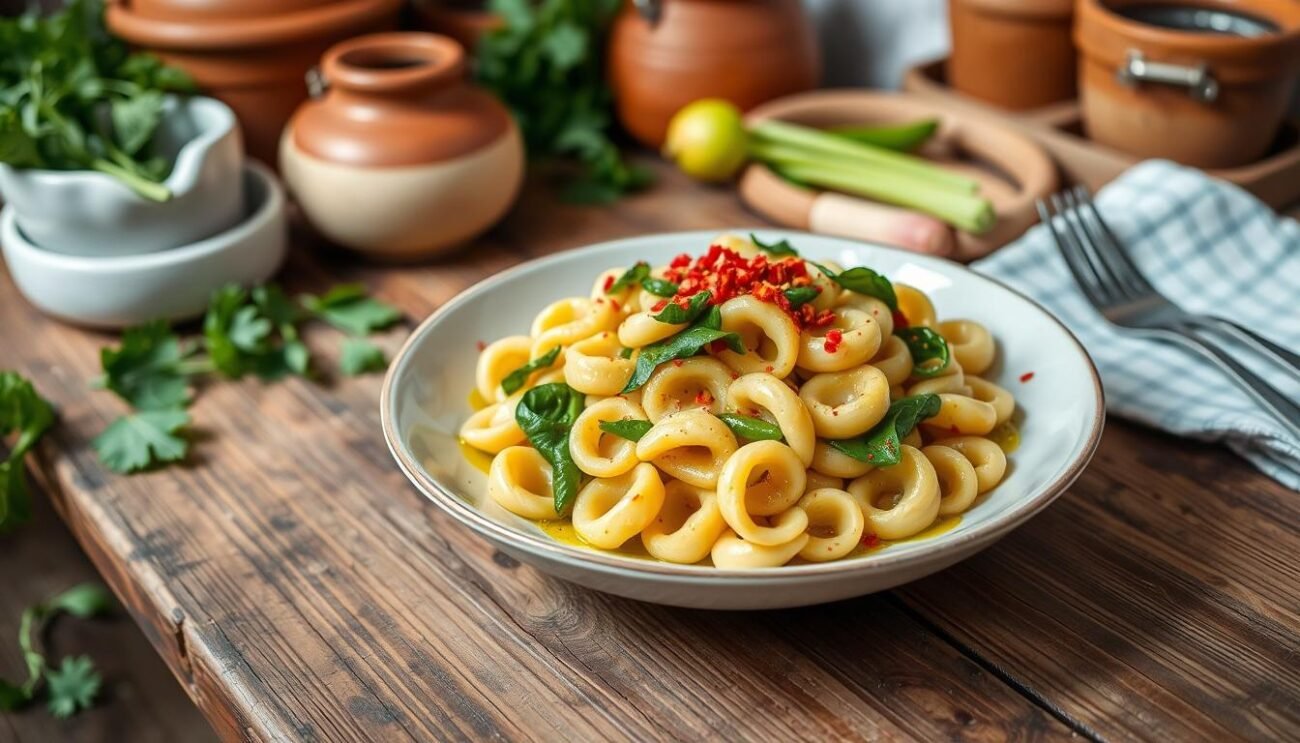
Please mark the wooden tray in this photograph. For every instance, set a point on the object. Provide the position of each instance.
(1275, 180)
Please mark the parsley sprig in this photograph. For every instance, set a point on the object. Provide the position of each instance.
(72, 686)
(255, 332)
(25, 413)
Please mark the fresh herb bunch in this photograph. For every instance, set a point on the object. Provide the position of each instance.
(547, 64)
(244, 333)
(72, 686)
(73, 98)
(25, 413)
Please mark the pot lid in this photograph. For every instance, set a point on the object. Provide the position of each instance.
(180, 10)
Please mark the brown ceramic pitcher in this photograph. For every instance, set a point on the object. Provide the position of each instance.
(1013, 53)
(401, 157)
(664, 54)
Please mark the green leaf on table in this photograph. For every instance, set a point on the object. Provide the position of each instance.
(676, 314)
(753, 429)
(864, 281)
(28, 415)
(546, 414)
(930, 353)
(801, 295)
(254, 333)
(705, 331)
(780, 248)
(145, 370)
(83, 601)
(882, 445)
(350, 309)
(628, 428)
(517, 378)
(142, 440)
(360, 356)
(72, 687)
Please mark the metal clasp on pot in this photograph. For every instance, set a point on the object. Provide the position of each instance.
(1200, 84)
(316, 82)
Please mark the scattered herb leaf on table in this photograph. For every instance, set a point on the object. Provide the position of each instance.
(72, 686)
(24, 412)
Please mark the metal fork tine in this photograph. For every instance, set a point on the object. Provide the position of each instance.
(1099, 292)
(1112, 249)
(1114, 288)
(1083, 275)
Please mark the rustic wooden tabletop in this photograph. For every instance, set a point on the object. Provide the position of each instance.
(300, 589)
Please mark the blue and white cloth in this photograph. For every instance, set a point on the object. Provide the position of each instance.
(1211, 248)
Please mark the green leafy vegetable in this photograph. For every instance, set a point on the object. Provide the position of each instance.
(546, 414)
(136, 442)
(754, 429)
(780, 248)
(148, 370)
(25, 413)
(546, 63)
(882, 445)
(517, 378)
(865, 281)
(360, 356)
(351, 310)
(800, 295)
(75, 683)
(930, 354)
(72, 98)
(625, 353)
(72, 687)
(640, 274)
(706, 330)
(675, 314)
(629, 429)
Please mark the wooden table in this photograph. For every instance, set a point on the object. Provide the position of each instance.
(300, 589)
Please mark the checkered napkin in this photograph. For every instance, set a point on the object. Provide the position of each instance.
(1211, 248)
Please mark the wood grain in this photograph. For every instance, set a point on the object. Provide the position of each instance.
(302, 590)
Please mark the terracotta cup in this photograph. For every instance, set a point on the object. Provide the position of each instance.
(1012, 53)
(401, 158)
(745, 51)
(1208, 99)
(251, 54)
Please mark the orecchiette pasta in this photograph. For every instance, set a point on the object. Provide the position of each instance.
(822, 435)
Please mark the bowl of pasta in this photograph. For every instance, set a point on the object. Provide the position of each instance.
(741, 421)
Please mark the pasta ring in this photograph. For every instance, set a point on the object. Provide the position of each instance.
(732, 552)
(959, 414)
(758, 393)
(687, 526)
(592, 366)
(1004, 405)
(519, 480)
(691, 446)
(988, 459)
(970, 343)
(741, 495)
(699, 382)
(596, 452)
(493, 428)
(611, 510)
(496, 361)
(914, 305)
(860, 340)
(770, 337)
(958, 484)
(835, 524)
(845, 404)
(915, 485)
(894, 360)
(831, 461)
(877, 309)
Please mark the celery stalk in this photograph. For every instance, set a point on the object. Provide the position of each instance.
(831, 146)
(966, 212)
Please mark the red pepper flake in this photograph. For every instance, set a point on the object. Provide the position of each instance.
(481, 346)
(658, 306)
(704, 398)
(767, 369)
(678, 362)
(833, 340)
(718, 346)
(870, 540)
(1026, 377)
(609, 281)
(614, 303)
(900, 320)
(734, 375)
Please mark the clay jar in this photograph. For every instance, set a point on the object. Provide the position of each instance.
(1203, 98)
(1016, 54)
(746, 51)
(401, 158)
(251, 54)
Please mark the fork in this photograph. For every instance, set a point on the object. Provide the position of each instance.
(1113, 284)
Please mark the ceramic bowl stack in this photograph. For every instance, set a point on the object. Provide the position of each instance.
(83, 247)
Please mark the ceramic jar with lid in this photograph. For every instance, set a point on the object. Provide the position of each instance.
(1205, 83)
(1016, 54)
(401, 158)
(250, 54)
(664, 54)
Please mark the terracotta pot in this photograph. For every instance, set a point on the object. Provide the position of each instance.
(746, 51)
(463, 20)
(1012, 53)
(401, 157)
(1212, 100)
(251, 54)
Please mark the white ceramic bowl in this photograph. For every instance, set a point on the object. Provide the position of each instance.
(114, 292)
(84, 212)
(425, 399)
